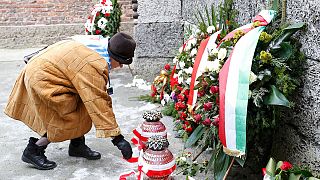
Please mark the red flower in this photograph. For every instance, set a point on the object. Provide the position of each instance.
(98, 31)
(107, 14)
(201, 93)
(179, 88)
(180, 106)
(214, 89)
(183, 115)
(285, 166)
(98, 14)
(181, 97)
(167, 67)
(153, 88)
(206, 122)
(217, 101)
(173, 82)
(161, 95)
(87, 30)
(189, 129)
(153, 94)
(216, 122)
(197, 118)
(187, 123)
(207, 106)
(186, 92)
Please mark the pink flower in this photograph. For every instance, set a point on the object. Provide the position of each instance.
(214, 89)
(167, 67)
(285, 166)
(207, 106)
(197, 118)
(206, 122)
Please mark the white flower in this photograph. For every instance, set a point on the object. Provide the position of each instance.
(163, 102)
(213, 52)
(222, 53)
(166, 97)
(175, 60)
(182, 64)
(198, 31)
(189, 70)
(102, 23)
(193, 41)
(89, 25)
(188, 81)
(183, 159)
(252, 77)
(193, 52)
(175, 75)
(180, 49)
(188, 46)
(213, 66)
(211, 29)
(180, 77)
(193, 60)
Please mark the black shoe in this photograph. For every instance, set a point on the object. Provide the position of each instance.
(34, 154)
(78, 148)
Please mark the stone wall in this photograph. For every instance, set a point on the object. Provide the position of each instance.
(158, 30)
(32, 23)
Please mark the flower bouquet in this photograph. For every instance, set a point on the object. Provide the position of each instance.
(104, 19)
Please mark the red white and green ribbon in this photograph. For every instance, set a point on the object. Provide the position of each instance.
(234, 88)
(199, 66)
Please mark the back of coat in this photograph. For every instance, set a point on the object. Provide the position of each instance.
(62, 91)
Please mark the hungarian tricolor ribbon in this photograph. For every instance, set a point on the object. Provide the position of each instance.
(199, 66)
(234, 87)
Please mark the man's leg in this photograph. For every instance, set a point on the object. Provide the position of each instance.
(78, 148)
(34, 154)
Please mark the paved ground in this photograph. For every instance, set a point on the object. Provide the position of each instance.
(14, 135)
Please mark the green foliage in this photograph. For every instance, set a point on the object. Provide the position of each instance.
(195, 136)
(276, 98)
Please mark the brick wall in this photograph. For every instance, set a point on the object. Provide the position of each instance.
(49, 12)
(35, 23)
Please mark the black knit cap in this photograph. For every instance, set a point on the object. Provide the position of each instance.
(121, 48)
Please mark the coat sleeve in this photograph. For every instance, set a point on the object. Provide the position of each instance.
(90, 82)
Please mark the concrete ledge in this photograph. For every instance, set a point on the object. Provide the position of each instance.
(41, 35)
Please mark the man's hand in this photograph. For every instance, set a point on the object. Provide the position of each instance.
(123, 146)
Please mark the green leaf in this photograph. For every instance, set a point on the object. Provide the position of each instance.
(208, 17)
(313, 178)
(275, 5)
(213, 16)
(211, 161)
(271, 167)
(276, 98)
(279, 164)
(284, 36)
(241, 161)
(221, 165)
(195, 136)
(286, 50)
(294, 177)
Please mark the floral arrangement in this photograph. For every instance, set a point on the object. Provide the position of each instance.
(104, 19)
(283, 170)
(276, 69)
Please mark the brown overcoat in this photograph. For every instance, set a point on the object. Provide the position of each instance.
(62, 91)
